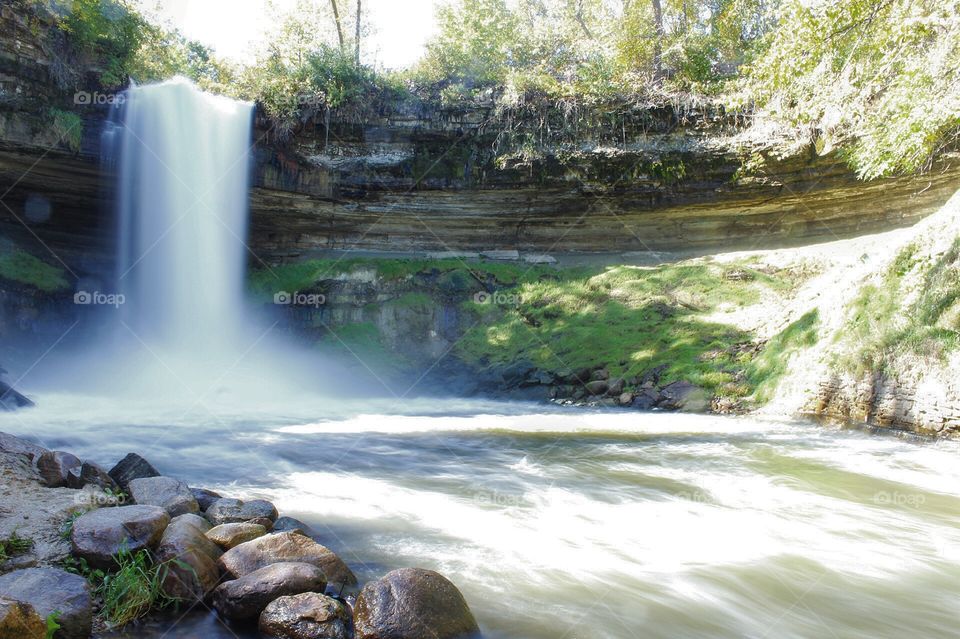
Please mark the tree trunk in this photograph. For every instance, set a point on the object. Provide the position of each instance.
(336, 19)
(658, 44)
(356, 53)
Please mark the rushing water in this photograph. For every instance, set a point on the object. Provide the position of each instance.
(570, 524)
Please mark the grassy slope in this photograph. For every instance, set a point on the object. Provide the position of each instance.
(630, 319)
(23, 268)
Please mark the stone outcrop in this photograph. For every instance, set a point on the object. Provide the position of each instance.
(131, 467)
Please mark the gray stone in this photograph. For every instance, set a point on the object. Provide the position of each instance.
(281, 547)
(539, 258)
(615, 387)
(19, 446)
(229, 511)
(309, 615)
(90, 473)
(205, 497)
(19, 620)
(50, 590)
(503, 254)
(413, 603)
(596, 387)
(54, 467)
(99, 535)
(246, 597)
(131, 467)
(170, 494)
(685, 397)
(229, 535)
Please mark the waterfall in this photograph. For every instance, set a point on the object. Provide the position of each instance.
(182, 163)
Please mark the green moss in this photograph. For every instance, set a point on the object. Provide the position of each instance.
(21, 267)
(361, 344)
(67, 127)
(767, 369)
(413, 300)
(14, 545)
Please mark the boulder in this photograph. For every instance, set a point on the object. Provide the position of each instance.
(596, 388)
(246, 597)
(190, 558)
(646, 399)
(19, 446)
(171, 494)
(309, 615)
(413, 603)
(194, 520)
(615, 387)
(262, 521)
(289, 524)
(50, 590)
(205, 497)
(131, 467)
(55, 466)
(229, 511)
(19, 620)
(601, 374)
(684, 396)
(230, 535)
(284, 547)
(90, 473)
(99, 535)
(625, 399)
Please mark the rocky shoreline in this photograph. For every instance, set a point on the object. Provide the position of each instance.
(79, 545)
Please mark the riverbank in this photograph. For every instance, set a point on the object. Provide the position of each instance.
(84, 551)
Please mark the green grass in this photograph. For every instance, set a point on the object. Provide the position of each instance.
(765, 371)
(882, 331)
(130, 591)
(630, 319)
(308, 275)
(14, 545)
(21, 267)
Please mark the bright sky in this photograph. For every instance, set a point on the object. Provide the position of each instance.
(399, 28)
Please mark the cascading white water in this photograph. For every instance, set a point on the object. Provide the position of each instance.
(183, 166)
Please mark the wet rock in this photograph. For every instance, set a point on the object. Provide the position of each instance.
(514, 374)
(246, 597)
(684, 396)
(131, 467)
(54, 467)
(413, 603)
(309, 615)
(625, 399)
(190, 557)
(282, 547)
(289, 524)
(192, 519)
(19, 620)
(171, 494)
(19, 446)
(50, 590)
(90, 473)
(646, 399)
(596, 388)
(231, 511)
(230, 535)
(205, 497)
(99, 535)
